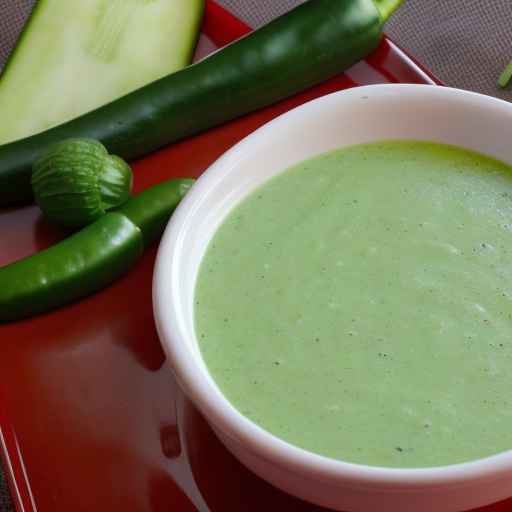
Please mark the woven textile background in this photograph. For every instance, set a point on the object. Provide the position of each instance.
(466, 43)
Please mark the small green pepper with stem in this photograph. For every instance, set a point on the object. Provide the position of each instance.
(91, 258)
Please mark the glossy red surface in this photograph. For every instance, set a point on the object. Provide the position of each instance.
(90, 415)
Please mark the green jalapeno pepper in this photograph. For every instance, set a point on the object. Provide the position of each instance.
(90, 259)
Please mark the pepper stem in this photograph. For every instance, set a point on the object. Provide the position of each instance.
(506, 76)
(387, 7)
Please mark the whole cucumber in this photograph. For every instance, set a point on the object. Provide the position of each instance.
(313, 42)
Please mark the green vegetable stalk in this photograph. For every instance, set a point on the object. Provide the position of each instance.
(506, 76)
(76, 182)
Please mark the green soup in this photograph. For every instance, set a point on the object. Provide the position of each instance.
(359, 305)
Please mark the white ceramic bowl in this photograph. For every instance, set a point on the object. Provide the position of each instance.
(354, 116)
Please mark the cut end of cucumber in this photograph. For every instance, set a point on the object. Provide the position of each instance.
(387, 7)
(76, 56)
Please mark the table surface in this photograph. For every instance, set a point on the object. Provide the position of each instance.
(464, 42)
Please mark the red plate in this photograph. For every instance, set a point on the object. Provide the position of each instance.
(90, 415)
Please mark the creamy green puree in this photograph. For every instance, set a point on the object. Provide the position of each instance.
(359, 305)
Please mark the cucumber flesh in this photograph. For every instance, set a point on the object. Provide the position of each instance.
(76, 55)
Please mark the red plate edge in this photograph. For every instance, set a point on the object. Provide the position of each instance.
(222, 28)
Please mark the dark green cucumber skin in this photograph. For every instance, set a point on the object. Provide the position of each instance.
(315, 41)
(90, 259)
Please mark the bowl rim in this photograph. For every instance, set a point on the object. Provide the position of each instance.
(199, 386)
